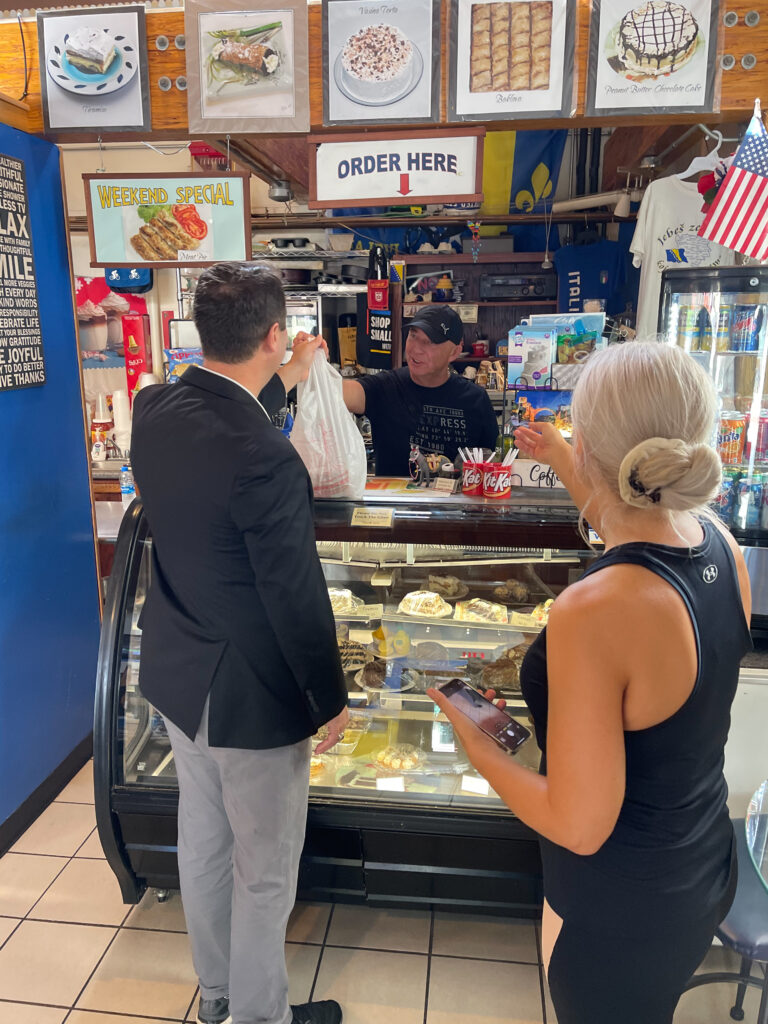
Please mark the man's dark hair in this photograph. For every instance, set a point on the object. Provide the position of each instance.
(236, 304)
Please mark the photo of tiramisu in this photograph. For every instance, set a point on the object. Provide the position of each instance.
(90, 50)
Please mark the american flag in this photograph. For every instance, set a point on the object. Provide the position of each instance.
(738, 218)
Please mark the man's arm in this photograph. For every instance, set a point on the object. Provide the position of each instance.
(354, 396)
(273, 395)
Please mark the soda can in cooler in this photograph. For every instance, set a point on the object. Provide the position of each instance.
(723, 329)
(749, 501)
(761, 442)
(731, 435)
(705, 323)
(745, 328)
(725, 502)
(764, 510)
(688, 328)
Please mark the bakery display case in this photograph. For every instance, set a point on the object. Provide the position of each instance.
(447, 589)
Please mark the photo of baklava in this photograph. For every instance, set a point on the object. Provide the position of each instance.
(510, 46)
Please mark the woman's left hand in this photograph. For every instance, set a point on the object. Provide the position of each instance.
(473, 739)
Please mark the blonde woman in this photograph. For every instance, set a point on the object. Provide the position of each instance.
(630, 688)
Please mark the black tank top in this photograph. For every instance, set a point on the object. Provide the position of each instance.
(671, 850)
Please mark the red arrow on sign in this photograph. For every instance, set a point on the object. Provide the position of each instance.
(405, 183)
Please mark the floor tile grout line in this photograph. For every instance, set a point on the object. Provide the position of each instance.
(19, 922)
(322, 951)
(94, 829)
(80, 803)
(98, 964)
(53, 880)
(192, 1003)
(429, 961)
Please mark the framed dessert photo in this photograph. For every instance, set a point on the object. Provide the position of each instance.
(652, 56)
(247, 65)
(93, 69)
(381, 62)
(511, 59)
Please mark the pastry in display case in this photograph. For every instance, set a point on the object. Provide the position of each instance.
(398, 787)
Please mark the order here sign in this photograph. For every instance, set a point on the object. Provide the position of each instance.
(379, 169)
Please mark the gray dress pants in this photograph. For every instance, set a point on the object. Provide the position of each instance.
(242, 816)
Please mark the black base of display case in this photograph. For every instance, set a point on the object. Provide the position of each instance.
(395, 857)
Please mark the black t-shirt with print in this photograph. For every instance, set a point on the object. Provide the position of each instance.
(440, 419)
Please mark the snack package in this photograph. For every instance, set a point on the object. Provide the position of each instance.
(530, 356)
(178, 359)
(573, 352)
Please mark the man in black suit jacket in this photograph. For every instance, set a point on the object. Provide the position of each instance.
(239, 648)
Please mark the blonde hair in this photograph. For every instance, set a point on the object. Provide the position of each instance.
(644, 413)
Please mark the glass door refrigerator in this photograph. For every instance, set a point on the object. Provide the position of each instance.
(720, 316)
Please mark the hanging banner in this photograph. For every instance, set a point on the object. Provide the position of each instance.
(167, 219)
(22, 364)
(377, 169)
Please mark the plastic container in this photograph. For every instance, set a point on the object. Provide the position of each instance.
(127, 486)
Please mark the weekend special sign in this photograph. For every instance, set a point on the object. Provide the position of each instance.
(167, 220)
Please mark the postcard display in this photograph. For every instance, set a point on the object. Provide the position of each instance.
(511, 59)
(658, 56)
(93, 69)
(381, 62)
(247, 70)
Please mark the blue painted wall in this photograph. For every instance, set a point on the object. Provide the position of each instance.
(49, 611)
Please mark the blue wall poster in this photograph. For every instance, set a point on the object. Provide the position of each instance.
(21, 344)
(49, 598)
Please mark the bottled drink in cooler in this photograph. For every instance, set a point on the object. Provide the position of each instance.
(749, 501)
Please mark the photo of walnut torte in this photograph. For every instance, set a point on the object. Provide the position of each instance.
(656, 38)
(510, 48)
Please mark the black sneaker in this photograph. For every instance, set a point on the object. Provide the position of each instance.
(214, 1011)
(326, 1011)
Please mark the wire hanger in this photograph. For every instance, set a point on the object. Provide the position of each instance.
(704, 163)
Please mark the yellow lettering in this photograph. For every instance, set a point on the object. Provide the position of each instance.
(125, 197)
(105, 196)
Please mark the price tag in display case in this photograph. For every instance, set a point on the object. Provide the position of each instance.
(396, 785)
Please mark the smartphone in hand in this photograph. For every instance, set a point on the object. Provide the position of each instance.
(494, 722)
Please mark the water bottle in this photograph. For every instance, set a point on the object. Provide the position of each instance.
(127, 486)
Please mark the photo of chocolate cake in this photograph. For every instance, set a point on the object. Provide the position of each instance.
(657, 38)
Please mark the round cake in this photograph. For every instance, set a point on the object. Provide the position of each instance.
(377, 53)
(657, 38)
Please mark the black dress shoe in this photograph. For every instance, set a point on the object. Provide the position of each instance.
(213, 1011)
(326, 1011)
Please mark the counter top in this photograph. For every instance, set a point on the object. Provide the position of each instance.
(109, 515)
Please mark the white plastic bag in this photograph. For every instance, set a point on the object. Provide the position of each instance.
(326, 436)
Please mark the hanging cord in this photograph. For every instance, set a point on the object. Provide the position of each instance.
(26, 66)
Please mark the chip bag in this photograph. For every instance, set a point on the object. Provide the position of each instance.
(326, 436)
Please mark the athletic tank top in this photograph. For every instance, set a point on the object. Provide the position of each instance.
(670, 853)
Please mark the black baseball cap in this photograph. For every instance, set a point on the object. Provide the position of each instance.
(439, 323)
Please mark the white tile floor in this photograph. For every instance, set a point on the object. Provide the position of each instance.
(72, 953)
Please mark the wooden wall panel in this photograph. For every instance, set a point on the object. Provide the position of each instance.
(739, 86)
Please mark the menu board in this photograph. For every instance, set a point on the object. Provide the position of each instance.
(168, 220)
(22, 364)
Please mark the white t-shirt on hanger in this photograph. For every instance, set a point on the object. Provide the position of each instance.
(667, 221)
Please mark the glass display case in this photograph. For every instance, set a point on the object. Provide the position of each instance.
(720, 316)
(397, 815)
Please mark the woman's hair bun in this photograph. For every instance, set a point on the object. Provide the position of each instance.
(669, 473)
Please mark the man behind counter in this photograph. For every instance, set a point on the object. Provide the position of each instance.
(423, 403)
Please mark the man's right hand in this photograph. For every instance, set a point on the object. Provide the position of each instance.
(336, 728)
(297, 368)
